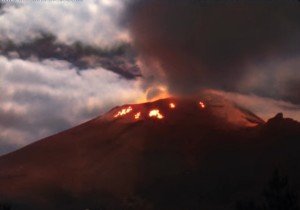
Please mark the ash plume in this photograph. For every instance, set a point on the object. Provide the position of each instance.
(189, 45)
(119, 59)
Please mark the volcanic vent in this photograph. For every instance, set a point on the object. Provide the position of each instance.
(172, 109)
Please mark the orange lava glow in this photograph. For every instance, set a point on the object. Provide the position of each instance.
(123, 112)
(161, 93)
(156, 114)
(137, 115)
(172, 105)
(202, 105)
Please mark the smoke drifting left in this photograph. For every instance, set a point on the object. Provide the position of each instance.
(189, 45)
(119, 59)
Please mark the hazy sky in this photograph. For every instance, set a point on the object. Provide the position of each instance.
(48, 85)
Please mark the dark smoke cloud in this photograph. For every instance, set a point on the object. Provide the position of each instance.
(120, 59)
(1, 8)
(198, 44)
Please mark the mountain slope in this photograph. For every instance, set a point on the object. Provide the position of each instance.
(191, 156)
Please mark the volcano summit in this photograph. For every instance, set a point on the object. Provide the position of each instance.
(174, 153)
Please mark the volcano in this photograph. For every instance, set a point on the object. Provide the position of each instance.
(174, 153)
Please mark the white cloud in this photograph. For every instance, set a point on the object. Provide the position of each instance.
(29, 91)
(92, 21)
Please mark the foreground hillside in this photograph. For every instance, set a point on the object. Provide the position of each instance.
(195, 153)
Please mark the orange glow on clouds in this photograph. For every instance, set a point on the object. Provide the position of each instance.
(123, 112)
(161, 92)
(156, 114)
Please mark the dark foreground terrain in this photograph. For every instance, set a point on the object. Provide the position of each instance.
(195, 157)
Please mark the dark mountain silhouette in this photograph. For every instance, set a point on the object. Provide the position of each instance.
(194, 157)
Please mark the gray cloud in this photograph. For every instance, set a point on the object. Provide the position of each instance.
(198, 44)
(264, 107)
(70, 59)
(31, 90)
(91, 22)
(277, 78)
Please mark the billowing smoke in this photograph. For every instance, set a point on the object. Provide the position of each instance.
(119, 59)
(189, 45)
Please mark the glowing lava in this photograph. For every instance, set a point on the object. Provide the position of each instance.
(123, 112)
(155, 113)
(202, 105)
(137, 115)
(172, 106)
